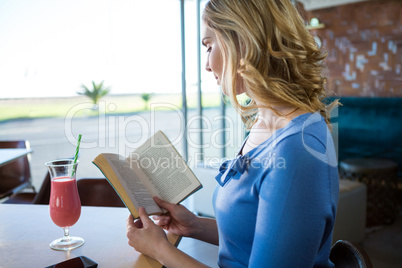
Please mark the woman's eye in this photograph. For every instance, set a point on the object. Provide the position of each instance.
(209, 49)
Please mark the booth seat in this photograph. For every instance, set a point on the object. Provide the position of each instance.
(350, 221)
(367, 133)
(368, 128)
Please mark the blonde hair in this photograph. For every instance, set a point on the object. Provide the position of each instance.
(266, 43)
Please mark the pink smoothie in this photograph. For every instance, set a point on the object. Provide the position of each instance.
(64, 204)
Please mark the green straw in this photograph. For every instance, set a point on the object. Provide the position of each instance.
(76, 153)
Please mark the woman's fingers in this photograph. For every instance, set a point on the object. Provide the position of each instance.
(130, 221)
(139, 223)
(162, 218)
(162, 222)
(131, 229)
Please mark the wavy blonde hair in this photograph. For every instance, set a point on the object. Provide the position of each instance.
(265, 42)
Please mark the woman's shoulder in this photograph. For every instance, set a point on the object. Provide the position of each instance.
(309, 139)
(306, 128)
(307, 135)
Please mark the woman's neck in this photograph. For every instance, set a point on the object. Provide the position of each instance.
(268, 122)
(278, 116)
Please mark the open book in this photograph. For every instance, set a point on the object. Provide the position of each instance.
(154, 169)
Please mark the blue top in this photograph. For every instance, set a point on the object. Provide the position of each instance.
(276, 205)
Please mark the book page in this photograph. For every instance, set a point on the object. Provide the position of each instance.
(167, 172)
(134, 188)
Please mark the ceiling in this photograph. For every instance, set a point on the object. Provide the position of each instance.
(318, 4)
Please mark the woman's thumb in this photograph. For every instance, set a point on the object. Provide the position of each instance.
(163, 204)
(144, 217)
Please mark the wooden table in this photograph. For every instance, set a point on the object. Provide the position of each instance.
(27, 230)
(9, 155)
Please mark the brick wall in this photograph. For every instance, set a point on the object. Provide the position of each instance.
(364, 45)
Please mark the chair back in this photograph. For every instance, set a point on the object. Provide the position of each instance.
(98, 192)
(41, 197)
(348, 254)
(15, 175)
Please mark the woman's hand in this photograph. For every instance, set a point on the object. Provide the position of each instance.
(144, 236)
(179, 220)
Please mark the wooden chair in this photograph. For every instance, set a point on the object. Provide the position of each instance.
(348, 254)
(41, 197)
(15, 176)
(98, 192)
(92, 191)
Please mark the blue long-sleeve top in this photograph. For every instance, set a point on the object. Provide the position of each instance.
(275, 206)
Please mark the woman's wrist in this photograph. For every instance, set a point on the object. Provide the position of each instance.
(206, 230)
(196, 227)
(170, 256)
(165, 251)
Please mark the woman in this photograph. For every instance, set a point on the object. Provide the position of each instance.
(275, 203)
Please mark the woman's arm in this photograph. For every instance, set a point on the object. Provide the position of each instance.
(173, 257)
(145, 237)
(207, 231)
(182, 222)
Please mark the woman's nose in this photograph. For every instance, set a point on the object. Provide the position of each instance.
(207, 67)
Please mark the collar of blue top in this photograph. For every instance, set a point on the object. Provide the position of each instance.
(230, 168)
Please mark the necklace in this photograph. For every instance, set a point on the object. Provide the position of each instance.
(297, 108)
